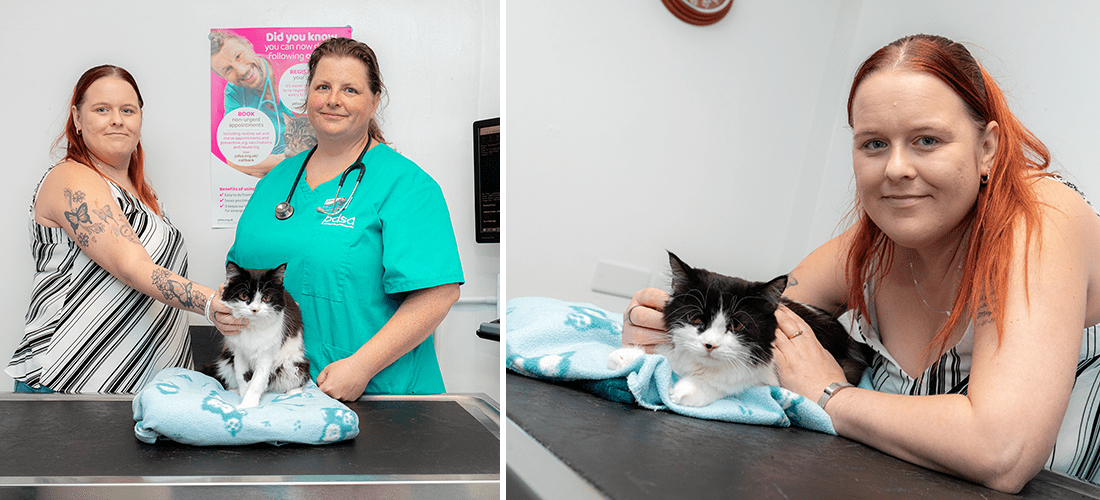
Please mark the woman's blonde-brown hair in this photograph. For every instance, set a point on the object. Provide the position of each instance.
(347, 47)
(1006, 200)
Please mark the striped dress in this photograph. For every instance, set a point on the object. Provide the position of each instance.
(86, 331)
(1077, 450)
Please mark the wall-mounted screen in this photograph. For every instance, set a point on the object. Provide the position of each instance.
(487, 180)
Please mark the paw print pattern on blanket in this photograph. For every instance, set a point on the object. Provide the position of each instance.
(290, 399)
(168, 388)
(552, 366)
(338, 424)
(586, 318)
(216, 405)
(188, 407)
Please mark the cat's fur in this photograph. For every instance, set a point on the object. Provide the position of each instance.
(721, 330)
(268, 355)
(298, 136)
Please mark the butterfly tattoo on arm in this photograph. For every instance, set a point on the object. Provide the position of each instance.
(176, 290)
(116, 227)
(77, 216)
(86, 229)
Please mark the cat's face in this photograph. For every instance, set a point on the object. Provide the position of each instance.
(299, 136)
(721, 320)
(254, 293)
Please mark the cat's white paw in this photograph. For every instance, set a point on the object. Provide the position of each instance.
(249, 403)
(689, 392)
(296, 390)
(623, 356)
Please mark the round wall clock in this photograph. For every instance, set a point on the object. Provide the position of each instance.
(699, 12)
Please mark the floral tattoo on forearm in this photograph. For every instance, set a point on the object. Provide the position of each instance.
(86, 229)
(176, 290)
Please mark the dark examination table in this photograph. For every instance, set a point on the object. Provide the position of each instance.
(444, 446)
(605, 449)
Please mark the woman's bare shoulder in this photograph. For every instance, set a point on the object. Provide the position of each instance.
(66, 180)
(72, 175)
(1059, 197)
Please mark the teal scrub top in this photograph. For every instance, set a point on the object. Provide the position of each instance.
(350, 272)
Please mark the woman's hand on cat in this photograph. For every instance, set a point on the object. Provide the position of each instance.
(643, 321)
(804, 366)
(344, 379)
(223, 318)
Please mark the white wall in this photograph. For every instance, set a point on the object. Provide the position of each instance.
(631, 132)
(439, 59)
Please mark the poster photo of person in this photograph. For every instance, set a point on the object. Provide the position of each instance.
(257, 90)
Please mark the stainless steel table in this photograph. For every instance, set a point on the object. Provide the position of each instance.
(445, 446)
(621, 451)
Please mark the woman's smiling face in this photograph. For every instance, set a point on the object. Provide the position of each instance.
(339, 102)
(918, 155)
(109, 119)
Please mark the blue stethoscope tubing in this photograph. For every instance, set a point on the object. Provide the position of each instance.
(284, 210)
(270, 87)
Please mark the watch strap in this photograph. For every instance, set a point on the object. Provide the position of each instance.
(833, 388)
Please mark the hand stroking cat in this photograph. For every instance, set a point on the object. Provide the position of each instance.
(268, 355)
(720, 333)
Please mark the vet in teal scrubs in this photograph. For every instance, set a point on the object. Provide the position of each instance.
(350, 272)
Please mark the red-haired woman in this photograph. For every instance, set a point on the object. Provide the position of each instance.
(973, 274)
(110, 283)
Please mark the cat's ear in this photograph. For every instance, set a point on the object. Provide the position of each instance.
(232, 271)
(774, 289)
(278, 274)
(681, 272)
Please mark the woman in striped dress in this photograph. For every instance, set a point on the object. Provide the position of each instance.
(110, 287)
(973, 274)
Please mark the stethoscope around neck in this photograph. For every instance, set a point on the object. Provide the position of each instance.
(284, 210)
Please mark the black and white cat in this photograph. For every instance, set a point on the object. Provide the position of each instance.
(268, 355)
(721, 331)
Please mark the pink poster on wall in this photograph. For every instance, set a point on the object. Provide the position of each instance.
(257, 94)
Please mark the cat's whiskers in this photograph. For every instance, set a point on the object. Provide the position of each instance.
(724, 341)
(698, 296)
(751, 319)
(684, 307)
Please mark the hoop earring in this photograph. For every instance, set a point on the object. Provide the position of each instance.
(985, 179)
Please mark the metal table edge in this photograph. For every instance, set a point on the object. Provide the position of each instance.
(302, 480)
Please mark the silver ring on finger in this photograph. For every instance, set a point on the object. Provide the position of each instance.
(628, 311)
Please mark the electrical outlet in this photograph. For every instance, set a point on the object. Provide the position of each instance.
(619, 279)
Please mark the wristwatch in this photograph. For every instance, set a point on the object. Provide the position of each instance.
(833, 388)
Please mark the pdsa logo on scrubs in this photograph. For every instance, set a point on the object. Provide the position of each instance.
(339, 220)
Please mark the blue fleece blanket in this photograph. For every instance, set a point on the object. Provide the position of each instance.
(188, 407)
(565, 341)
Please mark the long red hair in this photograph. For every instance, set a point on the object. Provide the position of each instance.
(1006, 200)
(75, 148)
